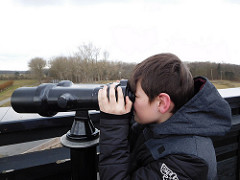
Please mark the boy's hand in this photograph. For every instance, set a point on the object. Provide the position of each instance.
(111, 105)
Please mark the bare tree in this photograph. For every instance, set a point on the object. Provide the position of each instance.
(105, 55)
(37, 66)
(59, 68)
(89, 53)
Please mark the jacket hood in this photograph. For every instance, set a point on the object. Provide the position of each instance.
(205, 114)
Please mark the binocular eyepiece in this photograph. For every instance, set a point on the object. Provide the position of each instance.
(48, 99)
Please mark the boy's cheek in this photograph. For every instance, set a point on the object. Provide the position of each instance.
(135, 105)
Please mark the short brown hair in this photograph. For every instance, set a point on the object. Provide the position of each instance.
(164, 73)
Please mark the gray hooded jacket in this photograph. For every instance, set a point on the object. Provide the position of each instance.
(179, 148)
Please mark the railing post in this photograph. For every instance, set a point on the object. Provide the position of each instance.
(82, 140)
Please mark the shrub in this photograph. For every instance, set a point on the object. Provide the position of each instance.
(5, 85)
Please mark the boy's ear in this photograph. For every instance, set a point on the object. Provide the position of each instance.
(164, 103)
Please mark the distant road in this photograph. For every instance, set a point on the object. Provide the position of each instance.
(4, 101)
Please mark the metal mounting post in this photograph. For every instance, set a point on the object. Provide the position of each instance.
(82, 140)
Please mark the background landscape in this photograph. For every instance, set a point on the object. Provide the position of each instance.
(86, 66)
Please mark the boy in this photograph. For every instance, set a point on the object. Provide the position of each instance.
(174, 116)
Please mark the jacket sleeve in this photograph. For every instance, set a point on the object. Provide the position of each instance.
(114, 146)
(114, 158)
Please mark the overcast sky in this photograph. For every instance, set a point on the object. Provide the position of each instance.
(194, 30)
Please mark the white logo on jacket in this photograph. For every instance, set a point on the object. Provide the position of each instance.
(167, 173)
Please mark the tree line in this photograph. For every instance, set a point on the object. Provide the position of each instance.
(215, 71)
(89, 64)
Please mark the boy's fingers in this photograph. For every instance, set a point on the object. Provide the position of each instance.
(99, 95)
(128, 104)
(103, 95)
(104, 92)
(120, 96)
(108, 103)
(112, 97)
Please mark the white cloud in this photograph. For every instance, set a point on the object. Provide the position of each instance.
(129, 30)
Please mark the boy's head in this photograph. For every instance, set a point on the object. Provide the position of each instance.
(164, 73)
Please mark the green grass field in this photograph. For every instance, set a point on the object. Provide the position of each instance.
(20, 83)
(225, 84)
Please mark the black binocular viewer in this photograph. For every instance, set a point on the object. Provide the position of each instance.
(48, 99)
